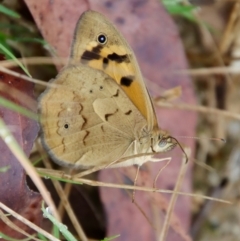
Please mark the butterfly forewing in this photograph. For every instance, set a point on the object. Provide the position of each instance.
(114, 57)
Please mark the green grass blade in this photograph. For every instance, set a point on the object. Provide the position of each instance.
(175, 7)
(111, 238)
(9, 12)
(10, 55)
(62, 228)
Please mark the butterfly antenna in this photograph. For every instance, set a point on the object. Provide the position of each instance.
(200, 138)
(178, 143)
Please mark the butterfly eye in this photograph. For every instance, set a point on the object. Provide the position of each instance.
(162, 143)
(102, 38)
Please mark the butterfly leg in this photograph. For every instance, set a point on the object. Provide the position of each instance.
(159, 172)
(134, 184)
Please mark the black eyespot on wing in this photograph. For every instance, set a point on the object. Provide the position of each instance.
(102, 38)
(126, 80)
(66, 126)
(118, 58)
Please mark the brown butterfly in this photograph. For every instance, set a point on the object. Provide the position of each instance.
(102, 113)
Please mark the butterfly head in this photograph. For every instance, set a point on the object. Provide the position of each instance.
(164, 143)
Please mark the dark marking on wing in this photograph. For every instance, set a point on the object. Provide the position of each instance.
(63, 144)
(102, 128)
(84, 138)
(108, 115)
(93, 54)
(118, 58)
(128, 112)
(85, 121)
(117, 93)
(89, 55)
(97, 49)
(127, 80)
(105, 63)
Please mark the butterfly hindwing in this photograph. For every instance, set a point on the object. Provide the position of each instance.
(88, 120)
